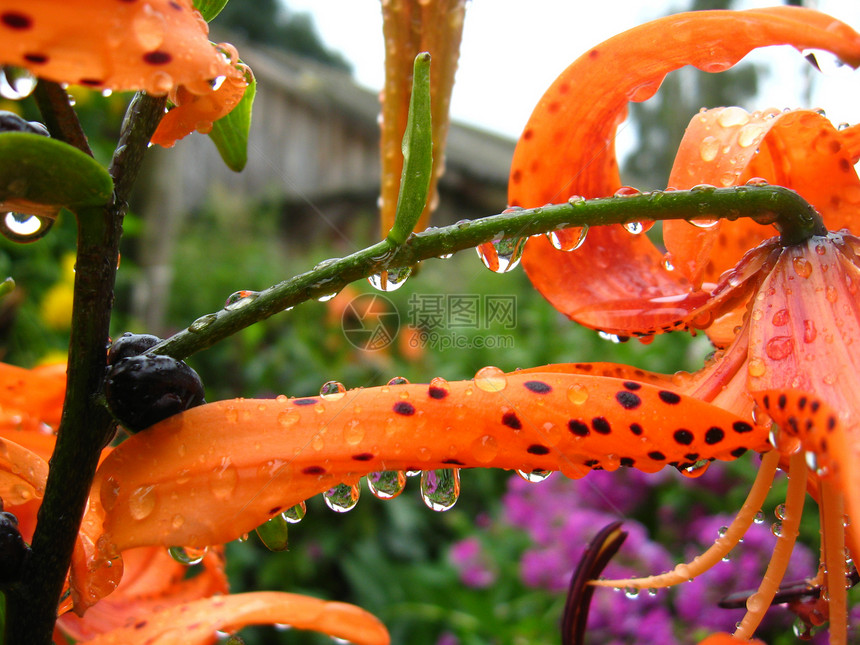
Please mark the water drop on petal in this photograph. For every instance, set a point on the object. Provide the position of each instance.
(332, 391)
(440, 489)
(240, 299)
(568, 239)
(535, 475)
(501, 255)
(398, 380)
(390, 279)
(386, 484)
(187, 555)
(295, 514)
(342, 498)
(491, 379)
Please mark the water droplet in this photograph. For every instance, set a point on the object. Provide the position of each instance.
(635, 228)
(759, 518)
(721, 532)
(398, 380)
(733, 116)
(386, 484)
(223, 482)
(440, 489)
(327, 297)
(696, 469)
(568, 239)
(780, 318)
(612, 338)
(485, 448)
(491, 379)
(750, 134)
(802, 266)
(756, 181)
(288, 418)
(631, 592)
(708, 148)
(332, 391)
(187, 555)
(778, 348)
(390, 279)
(535, 476)
(809, 331)
(440, 387)
(295, 514)
(779, 512)
(756, 367)
(240, 299)
(755, 602)
(16, 83)
(141, 502)
(502, 255)
(706, 223)
(667, 262)
(445, 256)
(274, 533)
(627, 191)
(342, 498)
(652, 591)
(827, 63)
(577, 394)
(202, 323)
(24, 228)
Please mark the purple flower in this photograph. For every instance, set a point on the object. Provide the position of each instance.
(474, 566)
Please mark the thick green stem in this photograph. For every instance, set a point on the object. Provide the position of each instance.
(792, 215)
(85, 426)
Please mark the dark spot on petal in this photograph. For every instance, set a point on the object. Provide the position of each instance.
(516, 176)
(437, 392)
(276, 509)
(363, 456)
(538, 387)
(792, 423)
(90, 82)
(304, 402)
(157, 58)
(814, 406)
(766, 400)
(313, 470)
(741, 427)
(632, 385)
(578, 428)
(453, 462)
(16, 20)
(594, 53)
(584, 367)
(140, 624)
(36, 59)
(175, 5)
(627, 461)
(404, 408)
(714, 435)
(636, 429)
(656, 455)
(601, 425)
(692, 456)
(591, 463)
(537, 449)
(528, 134)
(737, 452)
(831, 423)
(669, 397)
(782, 401)
(801, 403)
(683, 436)
(511, 420)
(628, 400)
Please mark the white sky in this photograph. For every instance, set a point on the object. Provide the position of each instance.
(513, 49)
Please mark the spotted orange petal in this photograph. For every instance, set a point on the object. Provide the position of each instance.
(210, 474)
(800, 150)
(567, 147)
(195, 623)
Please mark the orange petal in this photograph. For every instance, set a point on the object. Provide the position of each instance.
(210, 474)
(567, 147)
(200, 111)
(152, 580)
(22, 474)
(411, 27)
(196, 622)
(728, 639)
(31, 398)
(800, 150)
(153, 46)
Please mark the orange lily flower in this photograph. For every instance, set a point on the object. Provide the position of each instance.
(154, 598)
(578, 417)
(160, 46)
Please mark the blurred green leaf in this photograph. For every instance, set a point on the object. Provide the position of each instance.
(230, 133)
(7, 286)
(39, 175)
(209, 8)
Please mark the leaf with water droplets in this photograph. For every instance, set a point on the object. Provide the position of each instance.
(230, 132)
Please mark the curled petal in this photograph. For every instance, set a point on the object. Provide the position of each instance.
(210, 474)
(567, 147)
(196, 622)
(153, 46)
(152, 580)
(800, 150)
(22, 474)
(31, 398)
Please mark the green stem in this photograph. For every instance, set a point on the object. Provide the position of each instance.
(85, 426)
(792, 215)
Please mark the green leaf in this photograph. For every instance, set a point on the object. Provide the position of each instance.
(417, 154)
(230, 133)
(7, 286)
(209, 8)
(39, 176)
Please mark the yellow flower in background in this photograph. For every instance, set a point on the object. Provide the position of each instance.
(56, 308)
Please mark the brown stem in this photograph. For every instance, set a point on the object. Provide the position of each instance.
(60, 118)
(86, 426)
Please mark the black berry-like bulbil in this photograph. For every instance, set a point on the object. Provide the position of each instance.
(143, 390)
(130, 345)
(11, 122)
(13, 549)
